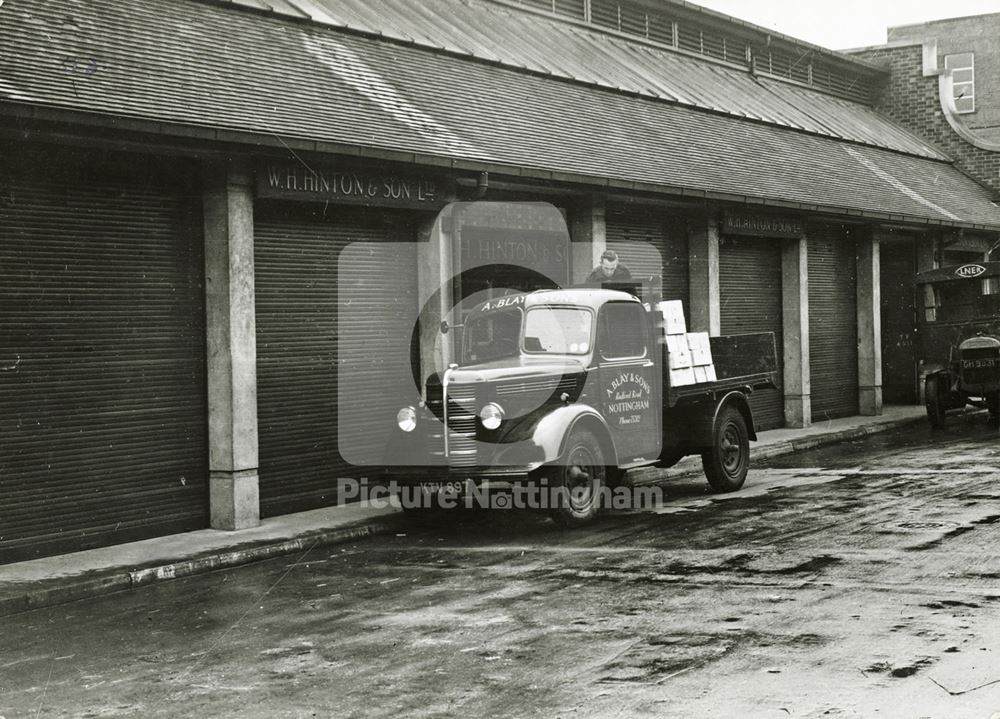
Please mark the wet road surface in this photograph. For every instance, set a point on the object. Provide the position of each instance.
(862, 580)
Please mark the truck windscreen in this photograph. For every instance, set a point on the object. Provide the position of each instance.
(558, 330)
(965, 300)
(493, 335)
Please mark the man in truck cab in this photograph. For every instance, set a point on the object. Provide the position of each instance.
(610, 270)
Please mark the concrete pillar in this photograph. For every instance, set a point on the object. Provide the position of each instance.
(435, 282)
(795, 315)
(927, 259)
(869, 326)
(588, 231)
(232, 348)
(704, 309)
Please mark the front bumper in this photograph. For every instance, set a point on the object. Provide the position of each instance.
(478, 476)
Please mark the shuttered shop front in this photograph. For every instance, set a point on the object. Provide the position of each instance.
(102, 393)
(833, 329)
(651, 242)
(750, 298)
(334, 321)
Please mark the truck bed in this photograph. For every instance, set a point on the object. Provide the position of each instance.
(695, 392)
(748, 362)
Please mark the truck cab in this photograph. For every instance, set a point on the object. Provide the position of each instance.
(960, 339)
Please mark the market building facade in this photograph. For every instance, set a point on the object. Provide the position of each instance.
(180, 182)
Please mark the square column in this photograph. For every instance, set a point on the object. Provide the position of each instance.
(795, 317)
(869, 326)
(927, 260)
(927, 254)
(704, 308)
(234, 493)
(436, 291)
(588, 225)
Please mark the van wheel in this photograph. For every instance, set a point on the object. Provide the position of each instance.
(728, 461)
(934, 401)
(993, 402)
(578, 481)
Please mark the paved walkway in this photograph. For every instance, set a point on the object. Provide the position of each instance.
(63, 578)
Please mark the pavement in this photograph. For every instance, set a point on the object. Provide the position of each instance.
(69, 577)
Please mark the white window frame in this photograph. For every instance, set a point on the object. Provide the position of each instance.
(963, 90)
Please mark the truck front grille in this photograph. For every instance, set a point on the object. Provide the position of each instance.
(461, 426)
(461, 445)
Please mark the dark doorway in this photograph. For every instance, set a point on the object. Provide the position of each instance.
(899, 364)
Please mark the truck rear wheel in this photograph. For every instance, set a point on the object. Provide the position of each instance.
(934, 401)
(578, 481)
(727, 462)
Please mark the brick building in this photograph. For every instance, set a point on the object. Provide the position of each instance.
(944, 83)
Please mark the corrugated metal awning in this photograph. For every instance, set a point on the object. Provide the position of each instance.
(491, 32)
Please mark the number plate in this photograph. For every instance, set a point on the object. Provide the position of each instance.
(454, 487)
(987, 363)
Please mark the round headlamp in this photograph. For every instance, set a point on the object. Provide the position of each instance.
(406, 418)
(491, 415)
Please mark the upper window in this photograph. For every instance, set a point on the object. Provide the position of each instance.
(963, 80)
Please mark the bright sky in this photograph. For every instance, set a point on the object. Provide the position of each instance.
(842, 24)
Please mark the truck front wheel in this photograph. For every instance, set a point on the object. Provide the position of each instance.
(934, 400)
(727, 462)
(578, 481)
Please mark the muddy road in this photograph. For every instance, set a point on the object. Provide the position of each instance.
(858, 581)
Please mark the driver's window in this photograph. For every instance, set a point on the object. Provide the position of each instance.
(622, 327)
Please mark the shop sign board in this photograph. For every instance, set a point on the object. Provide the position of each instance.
(754, 225)
(373, 187)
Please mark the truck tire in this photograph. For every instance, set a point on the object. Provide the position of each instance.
(727, 462)
(934, 401)
(993, 402)
(578, 481)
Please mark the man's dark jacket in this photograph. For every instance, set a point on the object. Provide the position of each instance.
(621, 274)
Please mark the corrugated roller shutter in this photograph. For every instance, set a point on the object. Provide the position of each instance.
(833, 329)
(750, 296)
(304, 318)
(665, 252)
(102, 352)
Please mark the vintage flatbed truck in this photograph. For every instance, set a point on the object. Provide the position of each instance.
(960, 339)
(571, 387)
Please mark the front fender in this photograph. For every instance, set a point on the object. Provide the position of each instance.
(930, 368)
(551, 432)
(531, 442)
